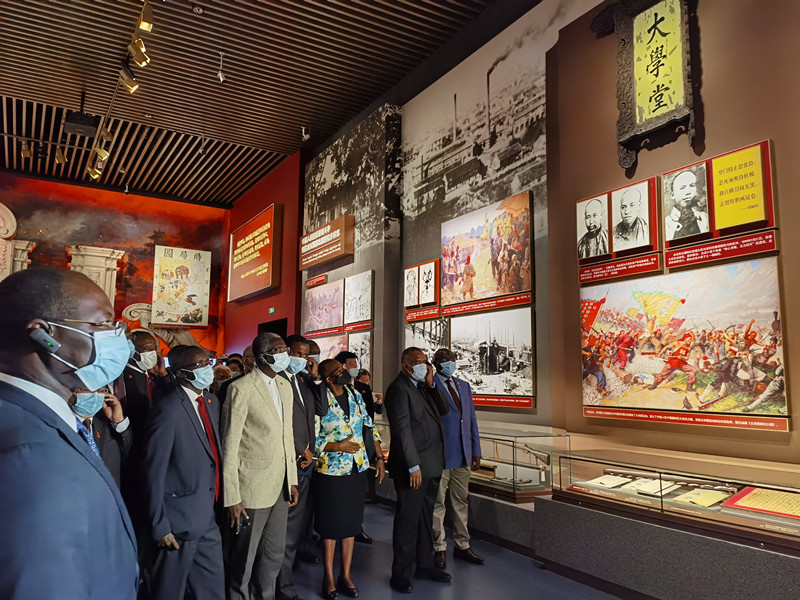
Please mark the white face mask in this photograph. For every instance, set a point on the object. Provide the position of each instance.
(147, 360)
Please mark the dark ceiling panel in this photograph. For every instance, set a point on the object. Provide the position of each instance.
(183, 134)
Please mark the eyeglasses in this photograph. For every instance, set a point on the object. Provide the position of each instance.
(117, 326)
(277, 350)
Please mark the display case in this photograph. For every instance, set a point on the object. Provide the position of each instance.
(516, 464)
(751, 503)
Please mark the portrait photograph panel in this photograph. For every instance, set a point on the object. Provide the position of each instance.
(592, 220)
(685, 197)
(630, 217)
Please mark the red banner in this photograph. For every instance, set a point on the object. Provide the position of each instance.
(358, 326)
(589, 310)
(690, 418)
(490, 304)
(318, 280)
(504, 401)
(620, 268)
(431, 312)
(755, 243)
(323, 332)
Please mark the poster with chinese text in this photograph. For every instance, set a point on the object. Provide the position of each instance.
(181, 283)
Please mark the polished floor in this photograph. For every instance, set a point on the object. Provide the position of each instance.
(505, 576)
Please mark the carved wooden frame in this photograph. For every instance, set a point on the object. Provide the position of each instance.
(630, 136)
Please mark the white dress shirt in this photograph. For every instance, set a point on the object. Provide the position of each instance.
(274, 391)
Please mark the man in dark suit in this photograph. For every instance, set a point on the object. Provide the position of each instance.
(112, 434)
(309, 401)
(462, 453)
(182, 475)
(64, 527)
(138, 382)
(416, 460)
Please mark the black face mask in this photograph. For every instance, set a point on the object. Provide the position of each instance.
(343, 378)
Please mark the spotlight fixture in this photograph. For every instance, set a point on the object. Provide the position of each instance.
(106, 135)
(25, 151)
(305, 135)
(127, 78)
(137, 51)
(220, 74)
(146, 17)
(198, 10)
(39, 150)
(94, 172)
(102, 153)
(127, 189)
(60, 158)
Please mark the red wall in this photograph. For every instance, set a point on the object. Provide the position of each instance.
(281, 186)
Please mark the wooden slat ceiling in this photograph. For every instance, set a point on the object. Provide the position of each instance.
(287, 64)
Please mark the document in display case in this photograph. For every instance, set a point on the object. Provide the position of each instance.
(516, 464)
(754, 504)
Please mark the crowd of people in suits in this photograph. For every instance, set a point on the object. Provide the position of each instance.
(127, 478)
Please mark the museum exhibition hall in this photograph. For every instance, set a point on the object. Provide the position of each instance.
(570, 210)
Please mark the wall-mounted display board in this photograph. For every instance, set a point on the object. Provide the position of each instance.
(323, 308)
(702, 347)
(181, 284)
(328, 243)
(411, 286)
(255, 255)
(330, 345)
(428, 335)
(725, 204)
(494, 353)
(486, 254)
(421, 285)
(358, 299)
(621, 227)
(360, 344)
(318, 280)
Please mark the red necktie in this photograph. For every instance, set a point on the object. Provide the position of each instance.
(454, 394)
(149, 388)
(201, 402)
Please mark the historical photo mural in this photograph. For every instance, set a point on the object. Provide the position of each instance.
(429, 336)
(323, 306)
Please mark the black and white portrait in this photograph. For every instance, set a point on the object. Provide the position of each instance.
(360, 346)
(630, 215)
(592, 219)
(427, 283)
(411, 287)
(358, 298)
(685, 202)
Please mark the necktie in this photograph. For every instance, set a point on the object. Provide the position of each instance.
(454, 394)
(201, 402)
(149, 388)
(87, 435)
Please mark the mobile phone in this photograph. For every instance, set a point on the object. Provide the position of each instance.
(244, 522)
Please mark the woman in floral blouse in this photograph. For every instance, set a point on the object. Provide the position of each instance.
(339, 484)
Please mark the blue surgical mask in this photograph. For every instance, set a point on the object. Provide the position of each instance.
(88, 404)
(448, 368)
(296, 364)
(420, 371)
(111, 354)
(316, 357)
(353, 372)
(282, 361)
(202, 377)
(131, 349)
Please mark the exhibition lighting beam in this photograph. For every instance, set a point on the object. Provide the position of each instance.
(60, 158)
(137, 51)
(94, 172)
(102, 154)
(127, 78)
(146, 18)
(25, 151)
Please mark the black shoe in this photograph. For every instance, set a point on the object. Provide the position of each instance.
(433, 574)
(440, 559)
(401, 584)
(363, 538)
(468, 555)
(351, 592)
(307, 556)
(332, 595)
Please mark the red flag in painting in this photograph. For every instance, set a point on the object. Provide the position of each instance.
(589, 310)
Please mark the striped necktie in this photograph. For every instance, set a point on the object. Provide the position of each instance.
(87, 436)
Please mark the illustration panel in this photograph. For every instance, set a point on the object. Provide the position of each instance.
(429, 336)
(411, 287)
(331, 345)
(494, 351)
(487, 252)
(703, 340)
(181, 283)
(360, 345)
(427, 283)
(358, 298)
(323, 306)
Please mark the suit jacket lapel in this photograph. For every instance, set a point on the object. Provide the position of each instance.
(262, 388)
(195, 420)
(426, 402)
(38, 409)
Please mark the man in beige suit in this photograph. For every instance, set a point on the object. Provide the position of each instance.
(259, 471)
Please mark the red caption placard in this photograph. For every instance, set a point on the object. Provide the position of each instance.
(318, 280)
(323, 332)
(358, 326)
(620, 268)
(686, 418)
(729, 248)
(422, 314)
(504, 401)
(489, 304)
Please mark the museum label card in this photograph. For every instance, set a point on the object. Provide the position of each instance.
(609, 481)
(704, 498)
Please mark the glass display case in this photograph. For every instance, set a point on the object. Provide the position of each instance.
(516, 464)
(751, 503)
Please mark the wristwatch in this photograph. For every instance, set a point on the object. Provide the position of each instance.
(380, 458)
